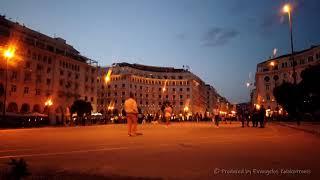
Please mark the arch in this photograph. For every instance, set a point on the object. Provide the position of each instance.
(36, 108)
(25, 108)
(12, 107)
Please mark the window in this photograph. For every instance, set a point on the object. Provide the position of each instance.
(310, 58)
(123, 85)
(26, 90)
(48, 70)
(267, 87)
(61, 72)
(267, 78)
(48, 81)
(61, 82)
(268, 97)
(13, 88)
(181, 103)
(188, 89)
(173, 89)
(123, 93)
(91, 99)
(180, 89)
(37, 92)
(181, 96)
(14, 75)
(28, 65)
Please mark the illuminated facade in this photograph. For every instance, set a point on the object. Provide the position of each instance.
(152, 86)
(44, 68)
(273, 72)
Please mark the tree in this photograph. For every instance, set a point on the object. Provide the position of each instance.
(288, 96)
(310, 89)
(81, 107)
(301, 98)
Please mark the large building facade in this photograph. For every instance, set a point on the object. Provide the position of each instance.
(43, 68)
(275, 71)
(152, 86)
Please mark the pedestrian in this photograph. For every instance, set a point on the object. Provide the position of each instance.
(254, 117)
(217, 118)
(262, 114)
(167, 113)
(131, 109)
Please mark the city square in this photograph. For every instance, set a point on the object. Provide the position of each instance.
(181, 151)
(163, 89)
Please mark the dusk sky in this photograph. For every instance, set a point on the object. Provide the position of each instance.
(221, 40)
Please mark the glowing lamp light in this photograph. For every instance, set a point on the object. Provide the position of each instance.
(9, 53)
(186, 109)
(107, 77)
(286, 8)
(248, 84)
(163, 89)
(272, 64)
(48, 102)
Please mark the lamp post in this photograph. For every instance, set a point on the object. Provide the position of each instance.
(287, 9)
(8, 54)
(48, 103)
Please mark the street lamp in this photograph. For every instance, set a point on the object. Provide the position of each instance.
(8, 54)
(108, 76)
(287, 9)
(48, 103)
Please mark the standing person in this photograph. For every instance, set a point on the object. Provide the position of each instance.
(255, 117)
(131, 109)
(167, 113)
(262, 114)
(217, 118)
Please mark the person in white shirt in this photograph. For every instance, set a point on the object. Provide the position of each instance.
(131, 109)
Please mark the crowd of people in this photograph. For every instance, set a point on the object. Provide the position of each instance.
(257, 117)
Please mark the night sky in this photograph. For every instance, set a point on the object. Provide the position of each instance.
(221, 40)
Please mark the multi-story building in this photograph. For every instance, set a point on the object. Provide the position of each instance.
(152, 86)
(44, 68)
(212, 97)
(275, 71)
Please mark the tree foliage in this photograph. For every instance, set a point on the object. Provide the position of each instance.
(303, 97)
(81, 107)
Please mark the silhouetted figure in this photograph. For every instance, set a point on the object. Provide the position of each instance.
(217, 119)
(262, 114)
(255, 117)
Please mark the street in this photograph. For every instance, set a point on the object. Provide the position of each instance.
(181, 151)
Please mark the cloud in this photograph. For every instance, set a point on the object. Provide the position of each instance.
(218, 36)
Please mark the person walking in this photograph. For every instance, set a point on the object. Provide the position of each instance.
(217, 119)
(167, 113)
(262, 114)
(131, 109)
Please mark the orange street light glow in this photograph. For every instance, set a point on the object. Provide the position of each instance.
(48, 102)
(107, 78)
(286, 8)
(272, 64)
(9, 53)
(186, 108)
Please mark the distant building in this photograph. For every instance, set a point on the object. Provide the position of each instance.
(152, 86)
(44, 68)
(273, 72)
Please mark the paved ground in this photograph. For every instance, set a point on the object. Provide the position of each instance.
(182, 151)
